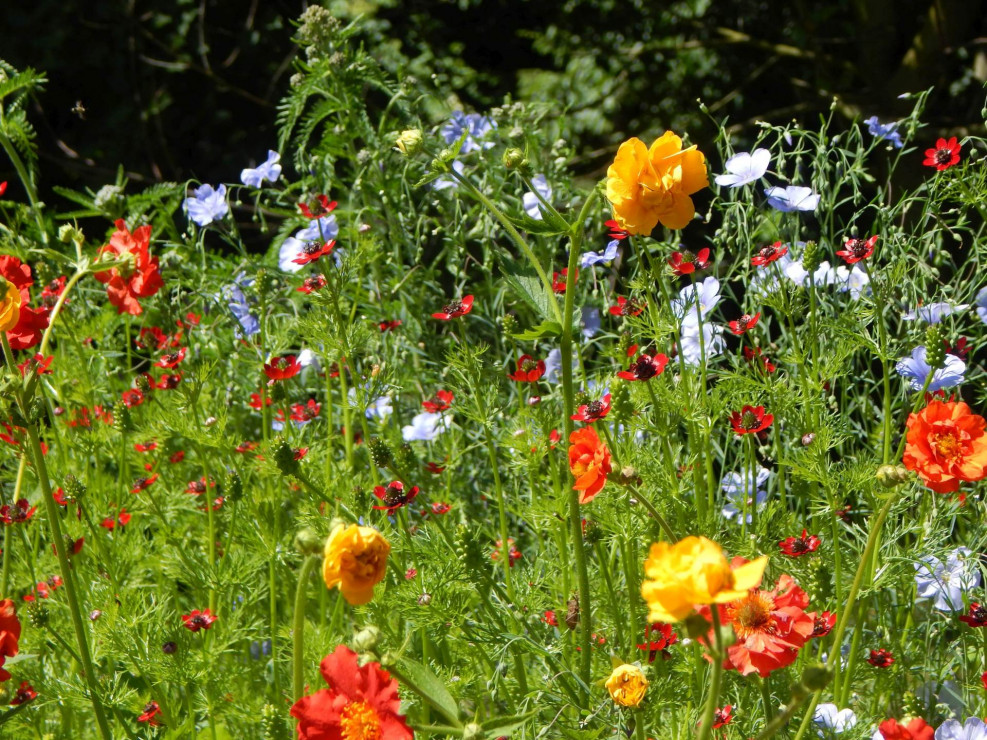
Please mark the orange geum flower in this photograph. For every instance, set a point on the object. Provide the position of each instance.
(945, 445)
(589, 461)
(355, 561)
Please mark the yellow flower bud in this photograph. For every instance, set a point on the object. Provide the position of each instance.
(355, 561)
(627, 685)
(409, 141)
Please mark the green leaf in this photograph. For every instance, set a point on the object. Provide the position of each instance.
(531, 290)
(427, 685)
(550, 225)
(545, 328)
(499, 726)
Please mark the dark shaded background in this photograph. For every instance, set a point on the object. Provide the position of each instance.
(174, 89)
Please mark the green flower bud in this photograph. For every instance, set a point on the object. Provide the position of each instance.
(143, 384)
(308, 542)
(404, 458)
(816, 676)
(811, 257)
(284, 457)
(271, 723)
(123, 420)
(380, 453)
(410, 142)
(514, 159)
(935, 346)
(74, 488)
(509, 322)
(593, 532)
(37, 613)
(365, 641)
(890, 476)
(472, 731)
(234, 486)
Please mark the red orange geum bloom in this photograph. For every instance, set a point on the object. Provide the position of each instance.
(10, 634)
(946, 445)
(589, 462)
(916, 729)
(139, 278)
(30, 323)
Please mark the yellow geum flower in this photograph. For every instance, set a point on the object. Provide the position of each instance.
(627, 685)
(694, 571)
(10, 305)
(355, 561)
(651, 186)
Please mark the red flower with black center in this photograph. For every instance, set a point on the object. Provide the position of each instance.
(257, 401)
(440, 507)
(529, 370)
(723, 716)
(615, 231)
(686, 263)
(198, 620)
(627, 307)
(172, 359)
(645, 367)
(197, 487)
(438, 403)
(142, 484)
(244, 447)
(307, 412)
(177, 457)
(593, 411)
(658, 637)
(110, 522)
(389, 325)
(282, 368)
(314, 250)
(767, 255)
(758, 360)
(881, 658)
(132, 397)
(513, 553)
(151, 710)
(750, 420)
(145, 446)
(24, 694)
(943, 155)
(824, 623)
(20, 512)
(168, 382)
(58, 495)
(361, 703)
(317, 207)
(455, 309)
(744, 323)
(797, 546)
(854, 250)
(38, 364)
(916, 729)
(977, 616)
(312, 284)
(560, 279)
(139, 277)
(299, 453)
(394, 496)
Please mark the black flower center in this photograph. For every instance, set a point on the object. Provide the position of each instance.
(944, 156)
(594, 408)
(453, 308)
(311, 248)
(395, 496)
(748, 420)
(857, 247)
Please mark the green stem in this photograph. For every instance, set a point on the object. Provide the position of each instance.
(706, 727)
(298, 633)
(505, 548)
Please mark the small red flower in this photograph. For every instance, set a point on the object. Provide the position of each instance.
(593, 411)
(977, 616)
(244, 447)
(172, 359)
(455, 309)
(434, 468)
(745, 323)
(550, 619)
(854, 250)
(198, 487)
(299, 453)
(177, 457)
(983, 679)
(766, 255)
(512, 552)
(142, 484)
(916, 729)
(880, 658)
(24, 694)
(758, 360)
(645, 367)
(132, 397)
(723, 716)
(529, 370)
(686, 263)
(59, 496)
(146, 446)
(312, 284)
(627, 307)
(959, 349)
(151, 710)
(198, 620)
(390, 325)
(410, 574)
(658, 637)
(3, 188)
(305, 412)
(314, 250)
(615, 231)
(943, 155)
(319, 206)
(559, 279)
(257, 401)
(750, 420)
(554, 438)
(394, 496)
(168, 382)
(282, 368)
(438, 403)
(797, 546)
(38, 364)
(110, 522)
(20, 512)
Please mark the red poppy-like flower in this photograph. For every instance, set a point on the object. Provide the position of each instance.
(132, 397)
(589, 462)
(943, 155)
(529, 370)
(142, 484)
(311, 284)
(59, 496)
(440, 507)
(960, 349)
(305, 412)
(983, 679)
(744, 323)
(299, 453)
(797, 546)
(550, 619)
(658, 637)
(855, 249)
(257, 401)
(319, 206)
(438, 403)
(513, 553)
(20, 512)
(946, 444)
(612, 226)
(139, 278)
(198, 487)
(916, 729)
(38, 364)
(10, 634)
(769, 254)
(282, 368)
(977, 617)
(394, 496)
(645, 367)
(172, 359)
(244, 447)
(25, 693)
(314, 250)
(593, 411)
(455, 309)
(434, 468)
(198, 620)
(177, 457)
(751, 420)
(31, 322)
(110, 522)
(686, 263)
(361, 702)
(881, 658)
(723, 716)
(168, 382)
(389, 325)
(559, 279)
(146, 446)
(758, 360)
(627, 307)
(151, 710)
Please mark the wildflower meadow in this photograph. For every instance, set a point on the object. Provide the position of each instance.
(477, 446)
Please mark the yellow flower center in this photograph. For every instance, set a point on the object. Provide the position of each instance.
(359, 721)
(947, 446)
(751, 614)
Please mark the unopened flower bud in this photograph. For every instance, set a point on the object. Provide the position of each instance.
(284, 457)
(439, 165)
(816, 676)
(811, 257)
(169, 648)
(37, 612)
(514, 159)
(380, 453)
(890, 476)
(592, 532)
(234, 486)
(808, 438)
(425, 599)
(69, 233)
(509, 322)
(935, 347)
(307, 542)
(74, 488)
(365, 641)
(472, 731)
(409, 142)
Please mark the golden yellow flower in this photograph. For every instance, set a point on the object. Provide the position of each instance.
(355, 561)
(627, 685)
(694, 571)
(651, 186)
(10, 305)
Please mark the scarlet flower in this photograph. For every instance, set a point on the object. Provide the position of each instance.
(529, 370)
(30, 323)
(10, 634)
(916, 729)
(313, 250)
(766, 255)
(943, 155)
(554, 438)
(854, 250)
(686, 263)
(245, 447)
(589, 462)
(440, 507)
(959, 349)
(177, 457)
(438, 403)
(140, 278)
(319, 206)
(410, 574)
(760, 361)
(614, 228)
(311, 284)
(305, 412)
(626, 307)
(513, 554)
(744, 323)
(455, 309)
(142, 484)
(593, 411)
(198, 620)
(977, 616)
(393, 497)
(20, 512)
(666, 637)
(168, 382)
(54, 289)
(132, 397)
(550, 619)
(24, 694)
(3, 188)
(360, 702)
(881, 658)
(389, 325)
(797, 546)
(723, 716)
(299, 453)
(645, 367)
(559, 279)
(945, 445)
(151, 710)
(59, 496)
(38, 364)
(750, 420)
(256, 402)
(146, 446)
(172, 359)
(198, 487)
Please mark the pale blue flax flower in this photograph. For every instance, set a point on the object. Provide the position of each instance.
(915, 370)
(268, 170)
(792, 198)
(207, 205)
(744, 168)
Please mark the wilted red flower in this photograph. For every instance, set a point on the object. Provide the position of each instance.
(282, 368)
(19, 513)
(798, 546)
(750, 420)
(317, 207)
(559, 279)
(38, 364)
(438, 403)
(10, 634)
(389, 325)
(589, 462)
(311, 284)
(172, 359)
(769, 254)
(645, 367)
(614, 228)
(142, 484)
(140, 278)
(977, 617)
(855, 249)
(25, 693)
(593, 411)
(744, 323)
(394, 496)
(512, 552)
(916, 729)
(686, 263)
(313, 250)
(880, 658)
(198, 620)
(758, 360)
(658, 637)
(943, 155)
(627, 307)
(529, 370)
(151, 710)
(455, 309)
(723, 716)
